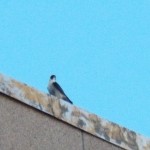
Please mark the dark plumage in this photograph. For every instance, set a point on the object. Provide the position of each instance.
(55, 89)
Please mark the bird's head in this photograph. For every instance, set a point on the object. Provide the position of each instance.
(53, 78)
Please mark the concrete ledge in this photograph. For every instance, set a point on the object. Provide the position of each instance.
(73, 115)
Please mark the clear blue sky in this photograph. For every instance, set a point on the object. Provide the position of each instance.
(99, 50)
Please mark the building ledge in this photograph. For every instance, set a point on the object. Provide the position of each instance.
(73, 115)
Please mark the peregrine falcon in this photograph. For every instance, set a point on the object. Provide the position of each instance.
(55, 89)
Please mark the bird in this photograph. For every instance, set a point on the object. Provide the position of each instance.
(55, 89)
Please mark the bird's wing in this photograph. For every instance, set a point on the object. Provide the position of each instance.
(57, 86)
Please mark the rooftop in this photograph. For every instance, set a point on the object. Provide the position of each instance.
(81, 119)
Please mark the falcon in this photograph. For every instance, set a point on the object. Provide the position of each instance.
(55, 89)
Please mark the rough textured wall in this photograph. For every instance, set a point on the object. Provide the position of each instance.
(84, 121)
(25, 128)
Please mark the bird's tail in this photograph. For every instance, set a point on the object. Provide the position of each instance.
(68, 100)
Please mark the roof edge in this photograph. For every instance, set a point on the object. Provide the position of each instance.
(73, 115)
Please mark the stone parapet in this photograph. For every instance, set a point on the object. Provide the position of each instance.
(74, 116)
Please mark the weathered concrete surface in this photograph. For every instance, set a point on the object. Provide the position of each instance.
(72, 115)
(24, 128)
(93, 143)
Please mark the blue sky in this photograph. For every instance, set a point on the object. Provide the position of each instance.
(99, 50)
